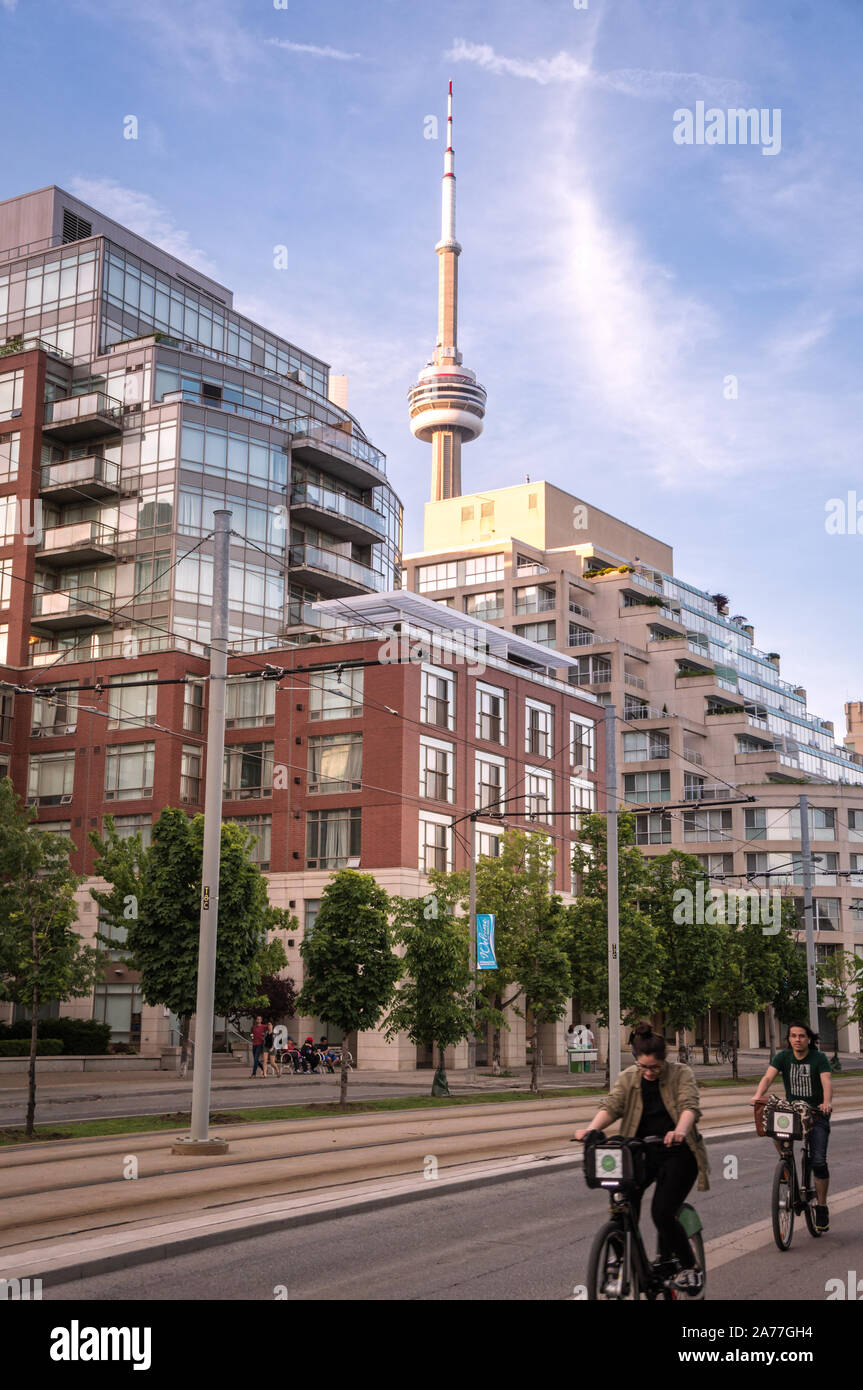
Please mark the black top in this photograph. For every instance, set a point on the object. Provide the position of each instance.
(655, 1119)
(269, 1040)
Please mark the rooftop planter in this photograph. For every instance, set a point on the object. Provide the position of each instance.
(729, 709)
(619, 569)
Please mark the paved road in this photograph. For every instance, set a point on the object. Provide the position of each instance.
(524, 1240)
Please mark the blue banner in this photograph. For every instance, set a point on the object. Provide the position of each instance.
(485, 957)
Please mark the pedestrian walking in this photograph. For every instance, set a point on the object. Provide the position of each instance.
(259, 1033)
(270, 1051)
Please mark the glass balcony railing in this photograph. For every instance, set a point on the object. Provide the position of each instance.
(70, 410)
(77, 473)
(314, 557)
(330, 436)
(338, 503)
(79, 535)
(61, 603)
(534, 605)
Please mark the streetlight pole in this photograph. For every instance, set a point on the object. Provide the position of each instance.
(199, 1140)
(613, 894)
(808, 913)
(471, 1042)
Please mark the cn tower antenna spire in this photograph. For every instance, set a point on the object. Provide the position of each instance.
(447, 404)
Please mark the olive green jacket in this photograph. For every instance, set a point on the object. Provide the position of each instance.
(679, 1091)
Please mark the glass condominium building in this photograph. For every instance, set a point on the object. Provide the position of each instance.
(135, 402)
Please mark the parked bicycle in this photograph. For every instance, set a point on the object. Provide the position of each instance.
(792, 1195)
(686, 1054)
(724, 1052)
(619, 1269)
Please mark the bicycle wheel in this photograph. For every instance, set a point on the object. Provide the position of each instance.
(605, 1268)
(696, 1245)
(783, 1202)
(809, 1200)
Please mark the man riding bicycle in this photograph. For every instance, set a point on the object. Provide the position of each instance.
(660, 1098)
(807, 1077)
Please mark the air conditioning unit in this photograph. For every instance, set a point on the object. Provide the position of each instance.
(65, 798)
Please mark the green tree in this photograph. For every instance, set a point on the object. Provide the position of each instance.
(350, 968)
(156, 895)
(434, 1005)
(750, 970)
(642, 959)
(42, 957)
(836, 979)
(688, 946)
(791, 999)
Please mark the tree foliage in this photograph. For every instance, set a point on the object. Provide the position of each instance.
(688, 947)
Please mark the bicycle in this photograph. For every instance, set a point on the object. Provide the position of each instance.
(724, 1052)
(791, 1195)
(685, 1054)
(618, 1267)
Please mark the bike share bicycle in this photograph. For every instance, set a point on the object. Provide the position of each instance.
(618, 1267)
(793, 1195)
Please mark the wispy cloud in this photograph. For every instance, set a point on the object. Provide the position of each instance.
(566, 68)
(314, 51)
(9, 5)
(140, 212)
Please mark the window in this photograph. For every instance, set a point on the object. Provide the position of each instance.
(311, 908)
(827, 914)
(485, 606)
(535, 598)
(332, 838)
(538, 793)
(248, 771)
(592, 670)
(467, 514)
(9, 449)
(249, 703)
(127, 826)
(436, 770)
(336, 693)
(783, 823)
(490, 787)
(755, 822)
(261, 827)
(639, 747)
(7, 707)
(193, 706)
(430, 577)
(706, 825)
(647, 786)
(151, 577)
(54, 714)
(438, 697)
(855, 825)
(652, 829)
(857, 913)
(335, 762)
(129, 771)
(693, 786)
(781, 868)
(582, 798)
(11, 394)
(538, 728)
(136, 705)
(856, 879)
(490, 713)
(191, 768)
(483, 569)
(119, 1005)
(488, 841)
(717, 865)
(435, 844)
(51, 778)
(541, 633)
(5, 582)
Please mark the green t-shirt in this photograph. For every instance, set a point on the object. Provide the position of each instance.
(802, 1079)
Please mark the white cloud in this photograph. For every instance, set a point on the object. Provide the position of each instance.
(314, 50)
(9, 5)
(565, 68)
(142, 214)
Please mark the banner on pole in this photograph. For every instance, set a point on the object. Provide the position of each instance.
(485, 957)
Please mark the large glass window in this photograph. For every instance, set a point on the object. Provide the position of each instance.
(435, 844)
(538, 798)
(9, 449)
(333, 837)
(11, 394)
(483, 569)
(582, 800)
(541, 633)
(262, 828)
(486, 607)
(538, 729)
(490, 788)
(639, 747)
(706, 825)
(129, 771)
(855, 825)
(51, 778)
(647, 786)
(335, 762)
(191, 774)
(652, 828)
(431, 577)
(54, 714)
(249, 702)
(127, 826)
(490, 713)
(582, 743)
(336, 693)
(120, 1006)
(131, 703)
(193, 706)
(436, 770)
(438, 697)
(248, 771)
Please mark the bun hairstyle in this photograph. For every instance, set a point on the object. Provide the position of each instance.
(647, 1043)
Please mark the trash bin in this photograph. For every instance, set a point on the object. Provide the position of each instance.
(575, 1055)
(588, 1057)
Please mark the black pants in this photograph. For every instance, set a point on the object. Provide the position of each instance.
(674, 1170)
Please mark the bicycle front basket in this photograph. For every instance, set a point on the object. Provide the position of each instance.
(616, 1165)
(782, 1122)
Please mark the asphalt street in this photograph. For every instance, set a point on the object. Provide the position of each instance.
(523, 1240)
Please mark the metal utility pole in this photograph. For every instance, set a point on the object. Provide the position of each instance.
(613, 896)
(808, 913)
(199, 1140)
(471, 1042)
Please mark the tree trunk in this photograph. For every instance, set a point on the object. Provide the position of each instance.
(705, 1042)
(734, 1075)
(771, 1030)
(535, 1061)
(495, 1042)
(440, 1085)
(31, 1081)
(183, 1059)
(343, 1075)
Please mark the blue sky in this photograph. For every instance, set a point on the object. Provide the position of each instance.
(611, 279)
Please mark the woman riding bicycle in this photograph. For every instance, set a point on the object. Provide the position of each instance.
(660, 1098)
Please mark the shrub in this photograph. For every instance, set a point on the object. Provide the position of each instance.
(77, 1036)
(20, 1047)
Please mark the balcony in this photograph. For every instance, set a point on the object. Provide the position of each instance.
(72, 479)
(637, 681)
(712, 792)
(83, 417)
(98, 648)
(338, 453)
(337, 513)
(541, 605)
(71, 608)
(81, 542)
(334, 575)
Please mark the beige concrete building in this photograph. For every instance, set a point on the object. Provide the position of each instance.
(706, 719)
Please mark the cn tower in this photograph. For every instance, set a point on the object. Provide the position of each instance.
(447, 404)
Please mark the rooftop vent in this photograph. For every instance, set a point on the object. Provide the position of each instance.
(75, 228)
